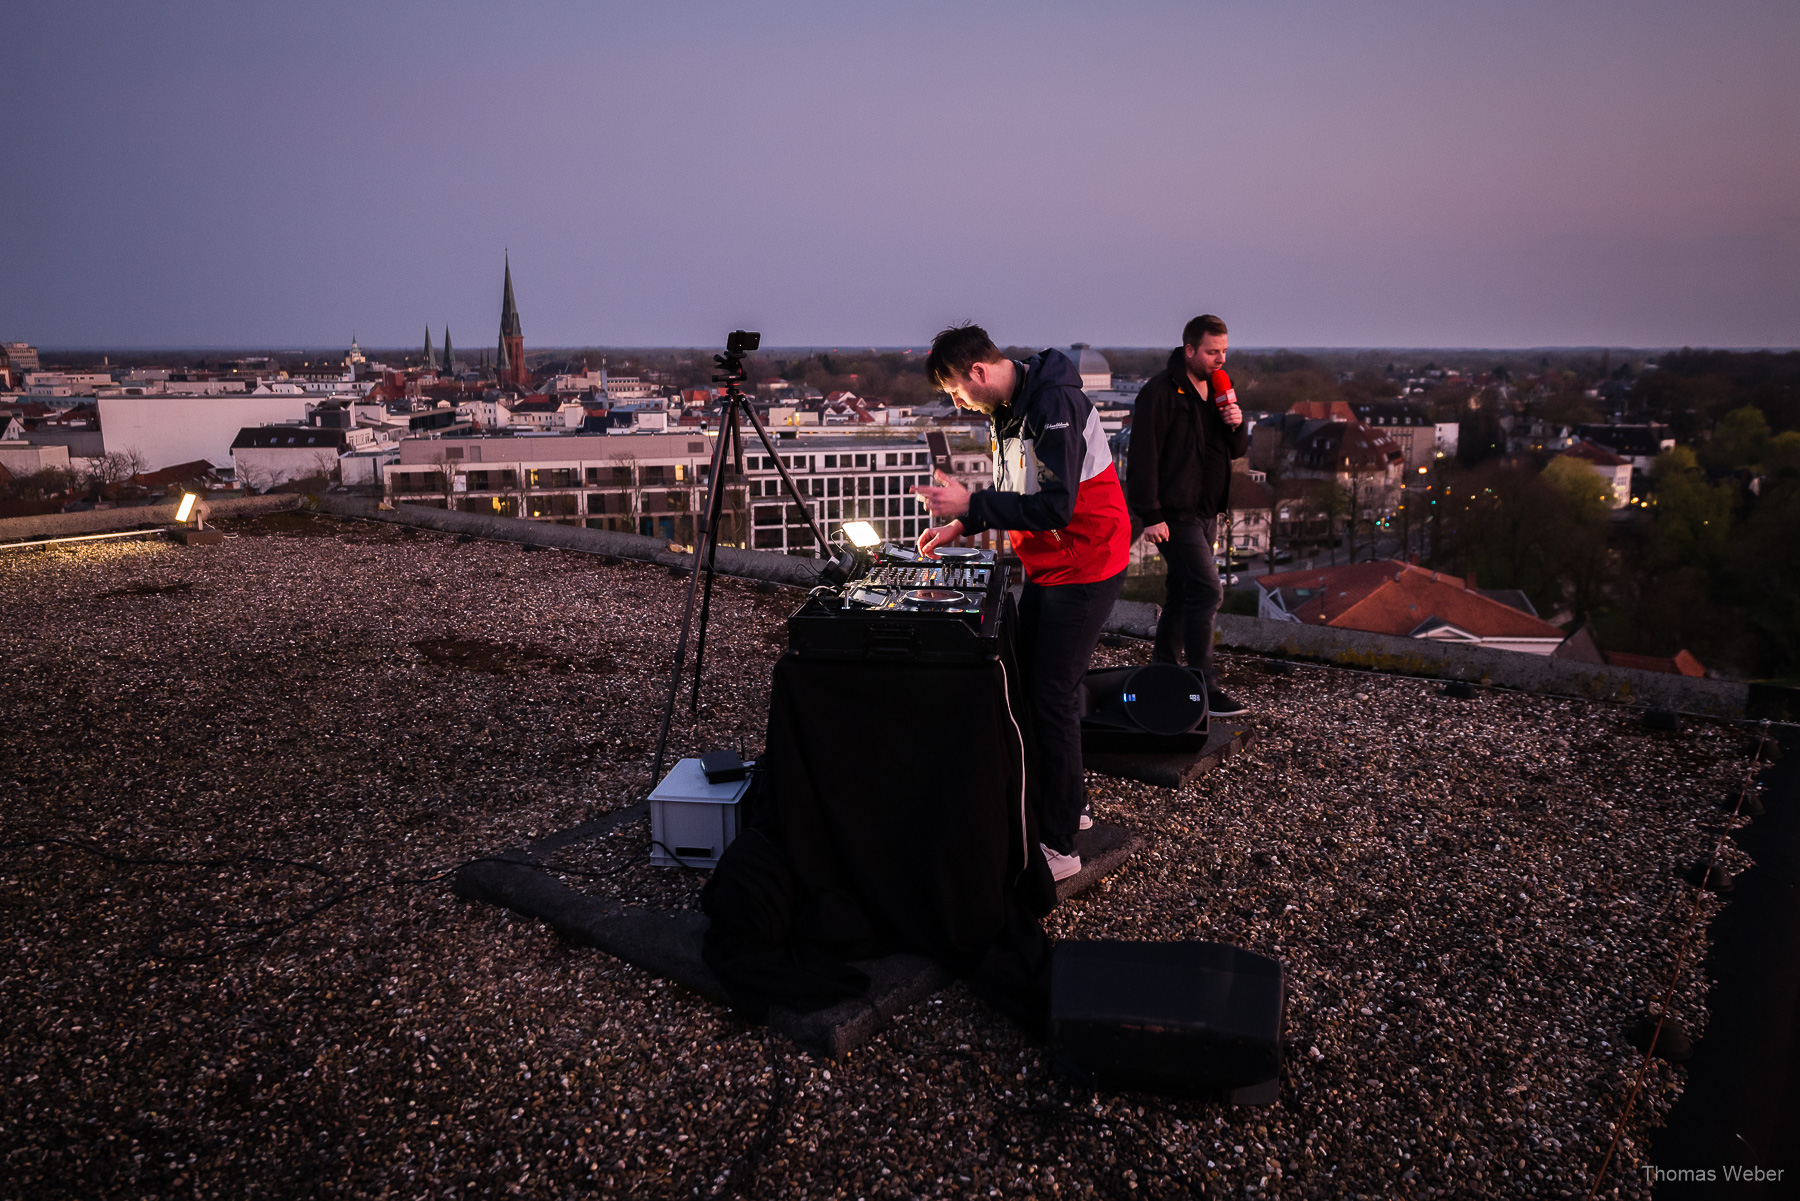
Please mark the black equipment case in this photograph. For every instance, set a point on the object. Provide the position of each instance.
(1192, 1018)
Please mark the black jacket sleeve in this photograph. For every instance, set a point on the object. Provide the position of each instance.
(1055, 425)
(1240, 438)
(1143, 457)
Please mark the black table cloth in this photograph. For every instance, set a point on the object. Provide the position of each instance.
(893, 809)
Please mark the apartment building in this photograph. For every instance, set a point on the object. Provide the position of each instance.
(852, 479)
(655, 483)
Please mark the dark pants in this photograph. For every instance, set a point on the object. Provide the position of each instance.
(1193, 599)
(1058, 628)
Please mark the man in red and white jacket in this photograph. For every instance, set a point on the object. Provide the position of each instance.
(1057, 495)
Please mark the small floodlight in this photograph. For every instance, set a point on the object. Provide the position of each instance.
(194, 509)
(1421, 471)
(862, 535)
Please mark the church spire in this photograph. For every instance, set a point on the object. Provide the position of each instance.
(449, 355)
(511, 361)
(430, 358)
(509, 311)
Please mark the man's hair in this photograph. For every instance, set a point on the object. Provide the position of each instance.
(1199, 327)
(957, 349)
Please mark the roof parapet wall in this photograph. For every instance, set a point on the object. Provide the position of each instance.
(1452, 661)
(1324, 644)
(1508, 669)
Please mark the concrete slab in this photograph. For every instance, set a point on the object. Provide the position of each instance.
(663, 942)
(1103, 850)
(896, 984)
(1171, 769)
(667, 943)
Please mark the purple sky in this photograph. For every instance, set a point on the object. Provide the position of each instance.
(1407, 174)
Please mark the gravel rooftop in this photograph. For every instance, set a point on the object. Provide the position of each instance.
(235, 777)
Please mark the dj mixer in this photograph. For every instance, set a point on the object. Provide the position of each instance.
(902, 605)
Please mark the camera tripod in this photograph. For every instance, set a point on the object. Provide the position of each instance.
(736, 408)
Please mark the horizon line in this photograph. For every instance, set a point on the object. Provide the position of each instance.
(851, 348)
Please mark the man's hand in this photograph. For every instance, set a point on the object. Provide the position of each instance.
(1233, 415)
(950, 499)
(936, 536)
(1158, 532)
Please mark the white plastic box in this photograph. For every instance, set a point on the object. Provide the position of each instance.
(691, 818)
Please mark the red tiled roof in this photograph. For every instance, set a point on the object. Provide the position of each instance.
(1322, 410)
(1356, 580)
(1683, 664)
(1597, 455)
(1365, 447)
(181, 473)
(1389, 597)
(1248, 494)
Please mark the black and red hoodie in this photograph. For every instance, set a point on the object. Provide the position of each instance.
(1055, 491)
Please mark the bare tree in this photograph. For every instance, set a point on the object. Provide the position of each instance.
(446, 477)
(255, 476)
(110, 470)
(1335, 501)
(325, 470)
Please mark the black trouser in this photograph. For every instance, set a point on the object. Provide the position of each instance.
(1193, 598)
(1058, 627)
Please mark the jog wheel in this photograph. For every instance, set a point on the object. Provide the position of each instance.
(933, 598)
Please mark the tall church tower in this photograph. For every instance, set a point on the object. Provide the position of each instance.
(511, 359)
(449, 355)
(430, 358)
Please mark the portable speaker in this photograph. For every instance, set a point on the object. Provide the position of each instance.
(1192, 1018)
(1153, 706)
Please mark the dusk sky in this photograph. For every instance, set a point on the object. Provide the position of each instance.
(1406, 174)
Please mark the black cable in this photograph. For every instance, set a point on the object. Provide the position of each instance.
(269, 928)
(670, 852)
(1064, 1114)
(746, 1166)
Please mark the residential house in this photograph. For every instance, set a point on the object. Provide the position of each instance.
(1247, 525)
(1404, 601)
(1582, 647)
(1358, 458)
(1406, 426)
(1637, 444)
(1614, 470)
(269, 456)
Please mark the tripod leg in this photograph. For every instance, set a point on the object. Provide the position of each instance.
(715, 504)
(792, 488)
(687, 613)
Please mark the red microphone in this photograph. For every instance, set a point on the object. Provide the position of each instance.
(1219, 384)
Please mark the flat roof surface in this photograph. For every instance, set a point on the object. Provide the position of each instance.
(236, 777)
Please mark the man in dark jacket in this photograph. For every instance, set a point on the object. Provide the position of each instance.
(1185, 429)
(1057, 495)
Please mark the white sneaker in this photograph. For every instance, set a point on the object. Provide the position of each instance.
(1087, 819)
(1061, 866)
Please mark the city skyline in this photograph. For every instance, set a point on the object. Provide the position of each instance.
(1396, 176)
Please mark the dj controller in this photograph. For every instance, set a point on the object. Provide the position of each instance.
(901, 605)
